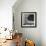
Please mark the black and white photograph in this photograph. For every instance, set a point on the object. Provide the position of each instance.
(28, 19)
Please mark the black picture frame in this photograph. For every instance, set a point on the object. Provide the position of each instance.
(28, 19)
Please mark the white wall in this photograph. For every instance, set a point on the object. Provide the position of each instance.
(43, 22)
(28, 6)
(6, 13)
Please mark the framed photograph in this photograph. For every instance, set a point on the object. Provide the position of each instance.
(28, 19)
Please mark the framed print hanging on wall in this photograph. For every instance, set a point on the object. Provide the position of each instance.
(28, 19)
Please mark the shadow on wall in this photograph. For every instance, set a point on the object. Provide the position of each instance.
(18, 2)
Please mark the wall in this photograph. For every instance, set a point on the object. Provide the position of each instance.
(28, 6)
(43, 22)
(6, 13)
